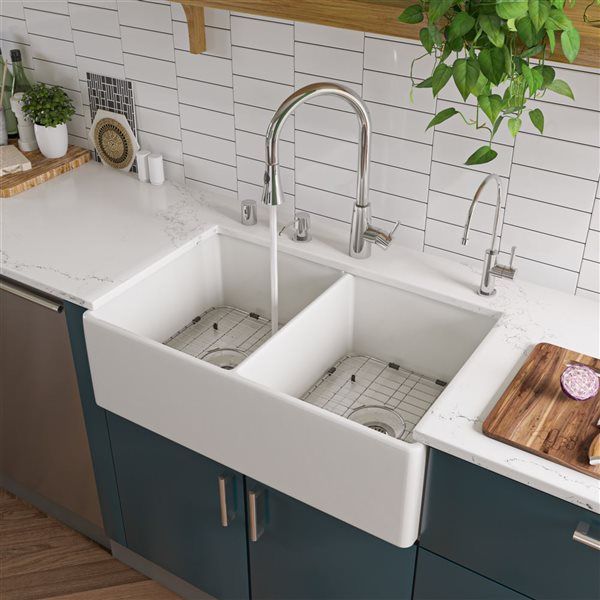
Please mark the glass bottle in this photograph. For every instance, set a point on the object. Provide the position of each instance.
(20, 81)
(9, 115)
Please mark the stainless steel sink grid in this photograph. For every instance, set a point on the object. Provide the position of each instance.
(356, 381)
(222, 328)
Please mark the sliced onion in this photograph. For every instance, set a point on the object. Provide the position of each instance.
(580, 382)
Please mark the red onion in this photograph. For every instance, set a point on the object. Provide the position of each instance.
(580, 382)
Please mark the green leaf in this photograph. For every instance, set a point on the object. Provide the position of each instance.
(511, 24)
(511, 9)
(440, 77)
(528, 33)
(558, 20)
(533, 51)
(497, 125)
(442, 116)
(438, 8)
(558, 3)
(482, 86)
(570, 41)
(514, 125)
(551, 40)
(412, 14)
(539, 11)
(426, 83)
(461, 24)
(481, 156)
(548, 74)
(492, 26)
(534, 79)
(491, 106)
(493, 63)
(465, 73)
(537, 118)
(426, 39)
(558, 86)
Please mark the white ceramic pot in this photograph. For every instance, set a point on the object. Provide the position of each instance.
(53, 141)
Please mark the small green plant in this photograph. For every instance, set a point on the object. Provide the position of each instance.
(495, 51)
(47, 106)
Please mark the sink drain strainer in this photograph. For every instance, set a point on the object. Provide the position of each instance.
(226, 358)
(379, 418)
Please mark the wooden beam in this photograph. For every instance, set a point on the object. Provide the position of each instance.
(194, 13)
(374, 16)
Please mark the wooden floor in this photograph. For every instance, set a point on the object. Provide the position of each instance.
(41, 558)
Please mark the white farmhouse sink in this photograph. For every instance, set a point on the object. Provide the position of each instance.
(251, 418)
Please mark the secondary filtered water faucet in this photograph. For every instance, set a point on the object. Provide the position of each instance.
(362, 232)
(491, 267)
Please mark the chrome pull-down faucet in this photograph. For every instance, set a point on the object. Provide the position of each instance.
(491, 267)
(362, 233)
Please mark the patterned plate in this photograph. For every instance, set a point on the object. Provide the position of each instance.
(113, 143)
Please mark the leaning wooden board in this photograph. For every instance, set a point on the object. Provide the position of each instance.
(535, 415)
(42, 169)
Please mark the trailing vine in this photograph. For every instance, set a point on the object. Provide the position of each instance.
(495, 51)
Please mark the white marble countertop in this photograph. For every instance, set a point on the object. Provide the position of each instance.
(89, 234)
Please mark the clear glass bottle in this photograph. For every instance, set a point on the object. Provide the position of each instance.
(9, 115)
(20, 81)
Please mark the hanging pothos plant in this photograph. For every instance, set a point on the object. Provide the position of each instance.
(494, 50)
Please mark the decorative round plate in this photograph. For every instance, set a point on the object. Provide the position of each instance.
(113, 143)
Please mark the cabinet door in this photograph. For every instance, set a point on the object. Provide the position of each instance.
(171, 499)
(440, 579)
(303, 553)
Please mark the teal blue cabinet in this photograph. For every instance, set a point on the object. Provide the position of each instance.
(301, 553)
(170, 500)
(509, 532)
(439, 579)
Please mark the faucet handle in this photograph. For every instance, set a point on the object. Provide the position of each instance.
(302, 227)
(378, 236)
(512, 257)
(506, 271)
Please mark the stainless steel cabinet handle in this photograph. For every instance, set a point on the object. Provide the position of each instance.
(223, 509)
(255, 527)
(27, 295)
(581, 535)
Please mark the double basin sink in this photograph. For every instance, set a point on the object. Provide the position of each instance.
(283, 413)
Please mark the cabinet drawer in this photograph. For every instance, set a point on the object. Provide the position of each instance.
(507, 531)
(439, 579)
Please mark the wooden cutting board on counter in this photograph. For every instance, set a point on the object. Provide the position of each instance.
(535, 415)
(42, 169)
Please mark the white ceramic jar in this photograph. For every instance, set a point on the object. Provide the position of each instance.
(53, 141)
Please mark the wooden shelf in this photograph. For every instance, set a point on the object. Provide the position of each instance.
(374, 16)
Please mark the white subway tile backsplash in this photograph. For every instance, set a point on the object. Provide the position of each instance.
(147, 43)
(93, 45)
(205, 95)
(262, 35)
(208, 114)
(206, 146)
(267, 66)
(589, 276)
(401, 153)
(94, 20)
(145, 15)
(396, 91)
(454, 150)
(206, 121)
(210, 172)
(397, 58)
(160, 123)
(594, 296)
(547, 218)
(263, 94)
(256, 120)
(334, 37)
(149, 70)
(555, 188)
(329, 62)
(51, 25)
(542, 247)
(557, 156)
(327, 150)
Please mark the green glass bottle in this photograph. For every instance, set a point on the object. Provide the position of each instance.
(9, 115)
(20, 81)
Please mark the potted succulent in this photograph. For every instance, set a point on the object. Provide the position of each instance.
(50, 109)
(495, 52)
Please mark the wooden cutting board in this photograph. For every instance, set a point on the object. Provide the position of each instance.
(535, 415)
(42, 169)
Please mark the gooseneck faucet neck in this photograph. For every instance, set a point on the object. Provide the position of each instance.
(273, 193)
(493, 177)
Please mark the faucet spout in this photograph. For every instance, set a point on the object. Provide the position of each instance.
(360, 245)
